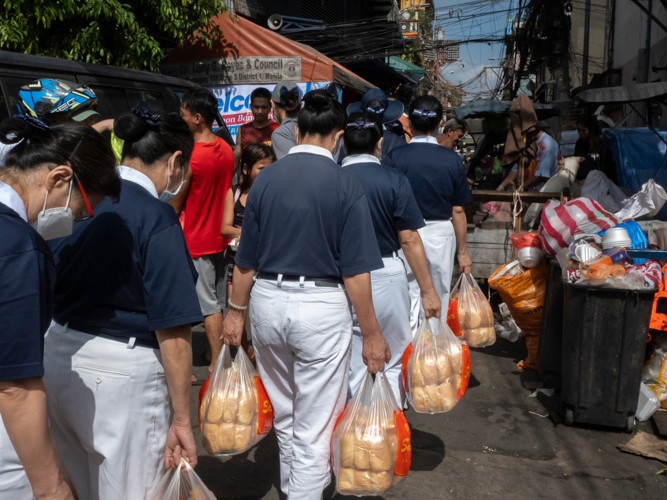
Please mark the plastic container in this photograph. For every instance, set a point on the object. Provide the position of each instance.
(550, 350)
(648, 403)
(604, 341)
(615, 236)
(529, 257)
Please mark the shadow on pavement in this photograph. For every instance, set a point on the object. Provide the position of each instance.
(250, 475)
(428, 450)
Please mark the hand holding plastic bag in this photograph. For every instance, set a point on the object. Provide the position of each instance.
(370, 446)
(469, 314)
(436, 369)
(179, 485)
(234, 410)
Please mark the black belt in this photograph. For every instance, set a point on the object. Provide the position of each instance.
(150, 343)
(323, 282)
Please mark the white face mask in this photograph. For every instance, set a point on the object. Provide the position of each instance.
(168, 195)
(55, 222)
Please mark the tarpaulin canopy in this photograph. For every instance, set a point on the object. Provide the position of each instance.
(640, 155)
(484, 107)
(249, 54)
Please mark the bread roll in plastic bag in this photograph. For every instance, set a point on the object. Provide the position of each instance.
(436, 368)
(469, 313)
(234, 410)
(179, 485)
(370, 446)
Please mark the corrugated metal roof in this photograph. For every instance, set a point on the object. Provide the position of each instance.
(628, 93)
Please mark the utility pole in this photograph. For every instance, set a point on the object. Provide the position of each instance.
(587, 36)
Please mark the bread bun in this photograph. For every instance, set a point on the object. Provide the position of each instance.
(473, 318)
(209, 436)
(231, 409)
(242, 437)
(430, 370)
(247, 407)
(416, 376)
(444, 367)
(447, 395)
(381, 459)
(216, 408)
(226, 437)
(345, 479)
(347, 450)
(362, 459)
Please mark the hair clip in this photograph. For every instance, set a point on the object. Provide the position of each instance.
(34, 122)
(150, 118)
(360, 124)
(378, 110)
(424, 113)
(285, 92)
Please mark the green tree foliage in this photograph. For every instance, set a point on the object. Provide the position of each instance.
(133, 34)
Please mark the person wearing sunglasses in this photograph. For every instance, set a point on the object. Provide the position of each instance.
(119, 349)
(51, 177)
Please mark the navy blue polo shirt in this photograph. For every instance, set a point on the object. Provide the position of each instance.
(306, 216)
(126, 272)
(27, 276)
(437, 177)
(390, 199)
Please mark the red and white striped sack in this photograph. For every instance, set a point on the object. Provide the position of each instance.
(561, 222)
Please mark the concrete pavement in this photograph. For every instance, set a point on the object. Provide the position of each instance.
(496, 443)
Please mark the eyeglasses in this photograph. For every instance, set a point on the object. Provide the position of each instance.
(83, 192)
(78, 182)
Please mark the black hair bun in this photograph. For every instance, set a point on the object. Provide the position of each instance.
(130, 127)
(318, 100)
(14, 130)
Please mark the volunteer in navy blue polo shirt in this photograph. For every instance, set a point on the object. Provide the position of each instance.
(119, 348)
(396, 219)
(376, 101)
(41, 184)
(439, 183)
(308, 235)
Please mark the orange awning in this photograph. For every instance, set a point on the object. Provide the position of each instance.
(242, 39)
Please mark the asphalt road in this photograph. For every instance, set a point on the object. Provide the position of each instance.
(496, 443)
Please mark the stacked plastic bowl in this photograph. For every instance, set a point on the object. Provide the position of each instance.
(616, 237)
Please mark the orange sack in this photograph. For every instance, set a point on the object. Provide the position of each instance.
(524, 295)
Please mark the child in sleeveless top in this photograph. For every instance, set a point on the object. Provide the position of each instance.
(256, 156)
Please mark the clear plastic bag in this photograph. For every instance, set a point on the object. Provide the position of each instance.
(370, 446)
(179, 485)
(469, 314)
(436, 369)
(234, 410)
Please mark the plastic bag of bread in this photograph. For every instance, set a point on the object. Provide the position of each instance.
(234, 409)
(370, 446)
(436, 368)
(179, 485)
(469, 314)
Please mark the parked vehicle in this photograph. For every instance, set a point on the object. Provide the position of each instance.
(118, 89)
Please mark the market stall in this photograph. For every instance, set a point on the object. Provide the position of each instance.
(580, 287)
(248, 56)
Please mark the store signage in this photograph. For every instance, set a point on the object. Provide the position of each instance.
(237, 70)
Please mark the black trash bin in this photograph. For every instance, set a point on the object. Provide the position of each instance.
(604, 340)
(550, 350)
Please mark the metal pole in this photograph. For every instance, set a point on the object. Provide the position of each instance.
(587, 36)
(647, 51)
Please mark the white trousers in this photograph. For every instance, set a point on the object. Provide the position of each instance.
(391, 300)
(109, 413)
(14, 482)
(301, 336)
(440, 248)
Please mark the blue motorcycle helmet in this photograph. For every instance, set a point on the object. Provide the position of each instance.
(47, 98)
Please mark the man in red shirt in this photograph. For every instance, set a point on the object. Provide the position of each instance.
(261, 127)
(208, 179)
